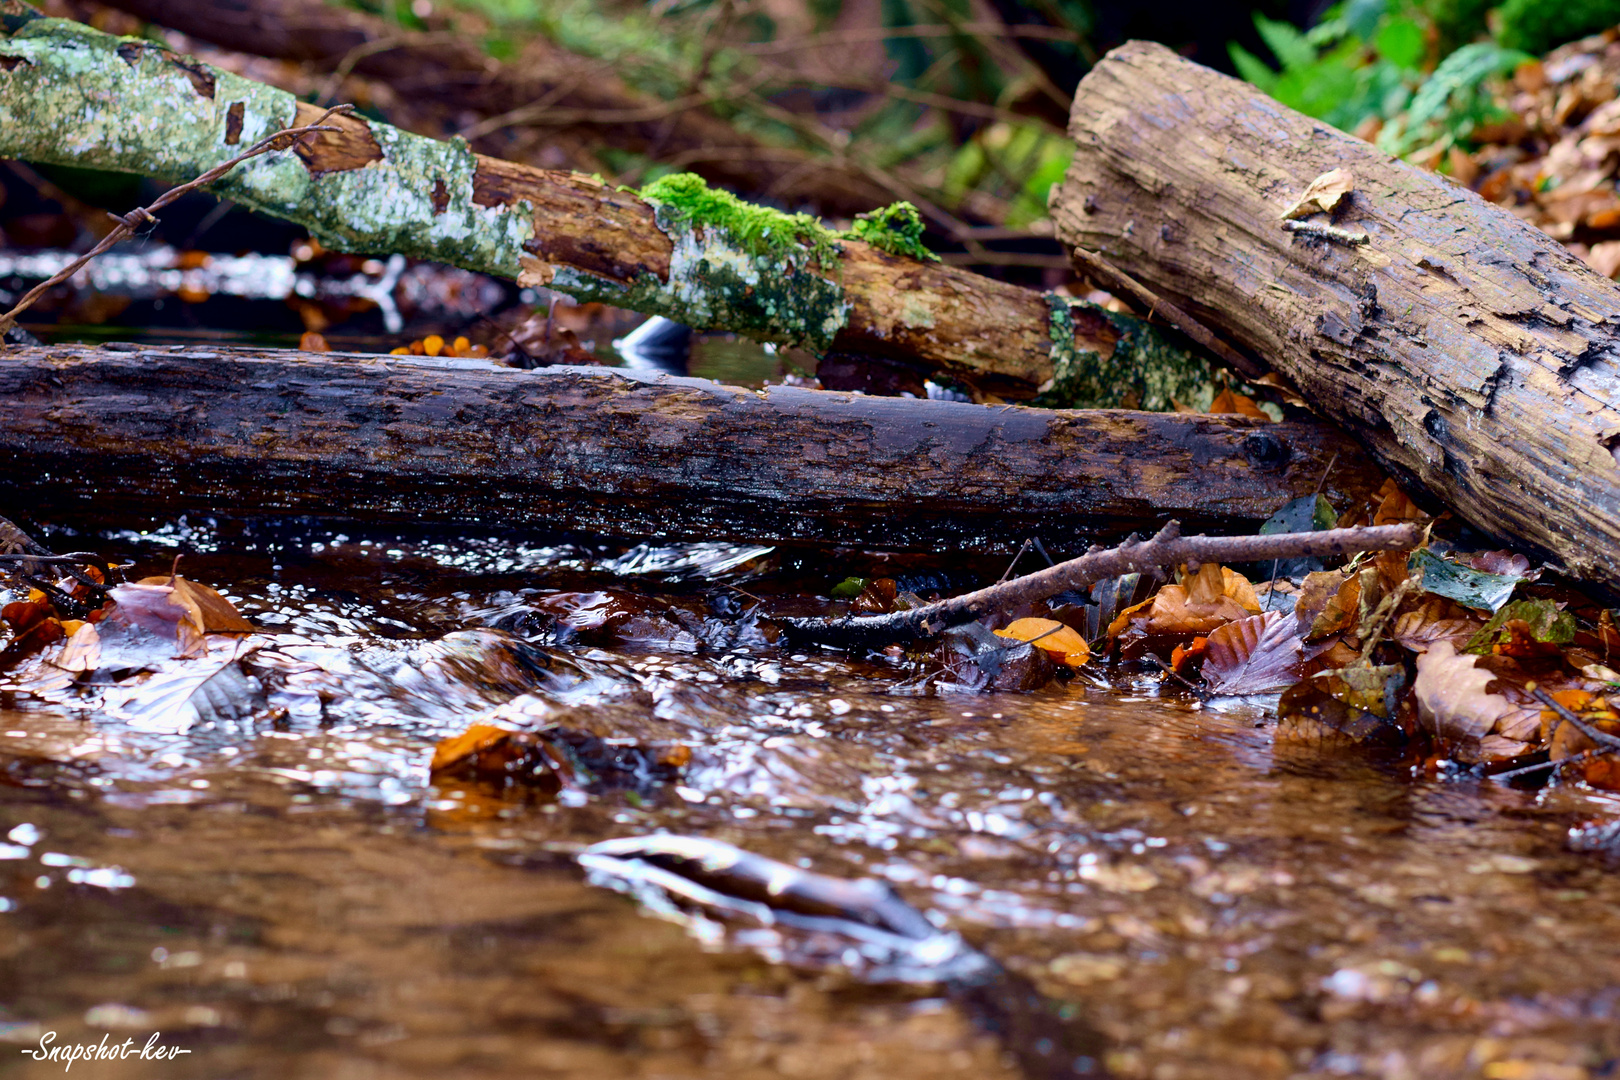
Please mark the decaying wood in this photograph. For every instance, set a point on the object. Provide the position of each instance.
(147, 430)
(72, 95)
(1167, 548)
(1469, 352)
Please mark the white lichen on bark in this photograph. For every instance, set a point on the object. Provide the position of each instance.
(71, 95)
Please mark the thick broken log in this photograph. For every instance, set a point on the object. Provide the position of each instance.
(161, 430)
(1470, 353)
(74, 96)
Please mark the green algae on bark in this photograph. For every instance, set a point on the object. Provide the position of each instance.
(1145, 370)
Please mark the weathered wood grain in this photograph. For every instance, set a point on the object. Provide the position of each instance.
(1471, 354)
(409, 438)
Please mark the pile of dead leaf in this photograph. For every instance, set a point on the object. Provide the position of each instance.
(1554, 161)
(1462, 656)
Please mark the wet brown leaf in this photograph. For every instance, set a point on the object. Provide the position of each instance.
(1254, 655)
(1228, 402)
(1435, 620)
(173, 605)
(82, 651)
(1454, 702)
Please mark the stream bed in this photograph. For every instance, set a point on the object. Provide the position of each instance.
(291, 894)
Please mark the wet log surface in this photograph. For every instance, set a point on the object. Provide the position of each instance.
(1472, 354)
(153, 430)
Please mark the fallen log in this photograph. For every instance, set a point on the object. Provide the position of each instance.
(71, 95)
(1471, 354)
(167, 429)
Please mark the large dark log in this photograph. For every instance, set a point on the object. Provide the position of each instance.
(409, 438)
(1469, 352)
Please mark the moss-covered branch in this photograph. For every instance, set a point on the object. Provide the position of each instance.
(73, 95)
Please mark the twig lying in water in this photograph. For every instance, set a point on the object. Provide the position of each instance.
(1168, 548)
(142, 215)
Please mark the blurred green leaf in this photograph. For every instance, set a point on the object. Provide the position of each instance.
(1400, 41)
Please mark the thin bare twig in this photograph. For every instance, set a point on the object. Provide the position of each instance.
(143, 215)
(1168, 548)
(1567, 716)
(375, 46)
(1182, 321)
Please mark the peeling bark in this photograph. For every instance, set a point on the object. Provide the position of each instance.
(1470, 353)
(72, 95)
(160, 430)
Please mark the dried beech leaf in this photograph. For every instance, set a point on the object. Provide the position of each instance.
(1394, 508)
(1339, 613)
(1173, 613)
(1435, 620)
(1253, 655)
(1451, 695)
(1323, 195)
(1228, 402)
(1316, 591)
(1060, 641)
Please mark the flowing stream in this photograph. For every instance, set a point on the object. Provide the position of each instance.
(290, 894)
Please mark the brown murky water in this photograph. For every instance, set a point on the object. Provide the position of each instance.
(293, 897)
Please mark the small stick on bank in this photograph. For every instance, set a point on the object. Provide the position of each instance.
(1168, 548)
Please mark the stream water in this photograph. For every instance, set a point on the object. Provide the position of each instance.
(291, 894)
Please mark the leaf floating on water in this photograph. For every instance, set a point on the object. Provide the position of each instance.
(1060, 641)
(179, 700)
(1254, 655)
(82, 650)
(1323, 195)
(173, 605)
(818, 921)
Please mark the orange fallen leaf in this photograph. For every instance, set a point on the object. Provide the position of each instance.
(1061, 641)
(470, 744)
(1228, 402)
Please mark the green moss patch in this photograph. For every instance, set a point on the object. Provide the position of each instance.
(687, 200)
(897, 229)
